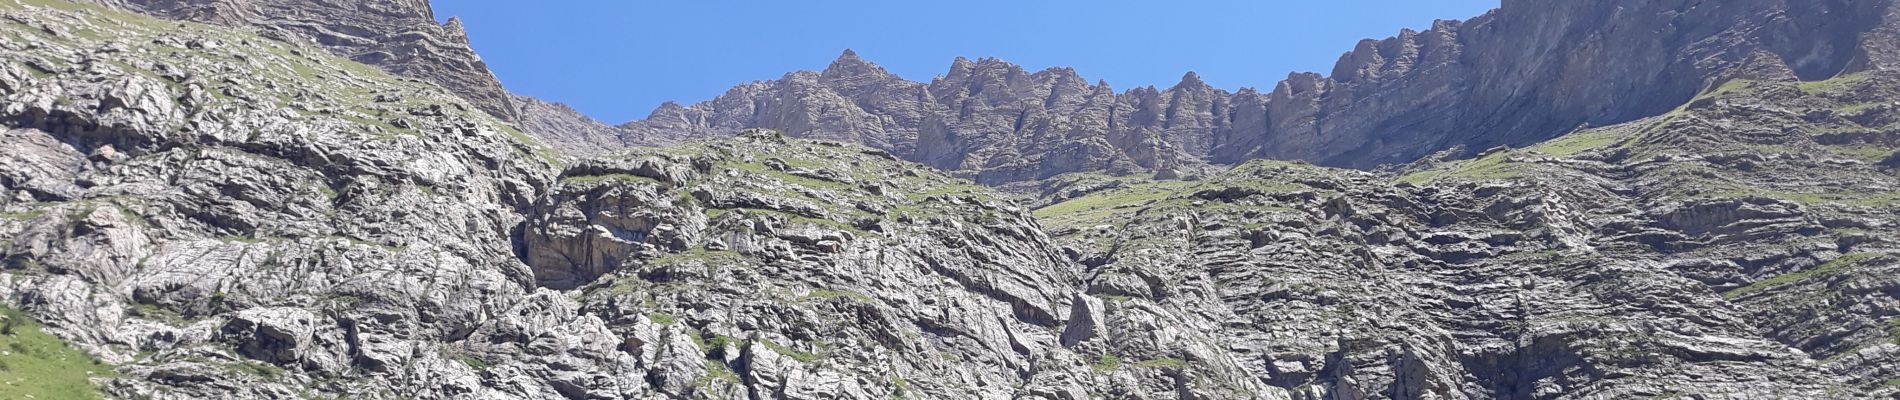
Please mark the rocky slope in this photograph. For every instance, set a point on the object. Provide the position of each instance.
(1529, 71)
(1741, 246)
(215, 211)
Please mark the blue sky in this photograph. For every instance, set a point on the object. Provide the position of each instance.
(618, 59)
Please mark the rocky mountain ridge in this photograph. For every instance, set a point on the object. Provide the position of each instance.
(1526, 72)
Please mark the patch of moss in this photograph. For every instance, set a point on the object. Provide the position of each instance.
(1829, 268)
(37, 365)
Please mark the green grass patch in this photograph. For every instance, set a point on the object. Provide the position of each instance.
(661, 318)
(36, 71)
(242, 239)
(1107, 362)
(1572, 144)
(157, 313)
(958, 187)
(1162, 363)
(54, 4)
(592, 179)
(472, 362)
(384, 127)
(1854, 108)
(699, 254)
(902, 385)
(1868, 154)
(826, 294)
(717, 371)
(537, 148)
(37, 365)
(258, 369)
(1836, 84)
(1491, 167)
(1893, 330)
(794, 354)
(23, 215)
(1830, 268)
(1096, 207)
(708, 344)
(813, 183)
(1839, 198)
(1731, 86)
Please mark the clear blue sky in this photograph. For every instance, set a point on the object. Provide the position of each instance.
(618, 59)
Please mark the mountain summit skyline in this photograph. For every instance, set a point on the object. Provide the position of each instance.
(617, 61)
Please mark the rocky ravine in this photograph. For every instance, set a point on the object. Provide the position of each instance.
(215, 212)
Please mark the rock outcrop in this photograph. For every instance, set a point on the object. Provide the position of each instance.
(399, 36)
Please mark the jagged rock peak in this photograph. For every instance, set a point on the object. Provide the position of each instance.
(850, 65)
(1191, 80)
(667, 109)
